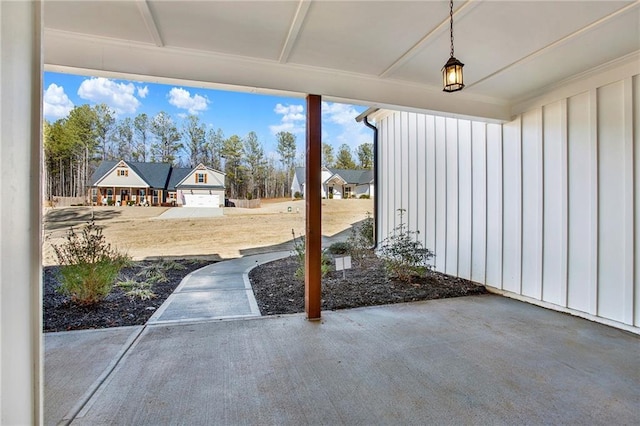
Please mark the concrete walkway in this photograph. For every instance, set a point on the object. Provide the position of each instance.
(218, 291)
(469, 360)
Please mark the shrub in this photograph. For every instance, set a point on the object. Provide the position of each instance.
(88, 264)
(299, 250)
(365, 196)
(403, 255)
(297, 195)
(340, 247)
(362, 239)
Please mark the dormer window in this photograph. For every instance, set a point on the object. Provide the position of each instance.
(201, 178)
(123, 172)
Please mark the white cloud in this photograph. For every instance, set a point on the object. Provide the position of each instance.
(181, 98)
(342, 114)
(142, 91)
(338, 124)
(348, 130)
(118, 96)
(292, 120)
(56, 103)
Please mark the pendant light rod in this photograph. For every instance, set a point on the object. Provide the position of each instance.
(451, 25)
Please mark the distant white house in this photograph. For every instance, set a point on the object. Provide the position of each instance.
(337, 183)
(134, 183)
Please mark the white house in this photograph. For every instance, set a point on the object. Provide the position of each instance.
(337, 183)
(135, 183)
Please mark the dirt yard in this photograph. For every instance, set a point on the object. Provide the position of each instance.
(139, 232)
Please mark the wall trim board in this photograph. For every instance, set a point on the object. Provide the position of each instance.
(562, 309)
(629, 202)
(636, 182)
(593, 131)
(565, 201)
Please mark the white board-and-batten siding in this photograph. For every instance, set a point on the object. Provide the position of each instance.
(545, 207)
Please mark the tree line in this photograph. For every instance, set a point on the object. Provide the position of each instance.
(76, 144)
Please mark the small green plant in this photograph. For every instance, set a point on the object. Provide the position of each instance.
(88, 264)
(136, 289)
(154, 273)
(297, 195)
(365, 196)
(299, 252)
(403, 254)
(172, 265)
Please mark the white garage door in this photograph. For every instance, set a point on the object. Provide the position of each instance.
(201, 200)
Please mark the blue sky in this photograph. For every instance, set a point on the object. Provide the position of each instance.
(234, 112)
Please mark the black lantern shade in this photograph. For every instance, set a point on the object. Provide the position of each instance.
(452, 79)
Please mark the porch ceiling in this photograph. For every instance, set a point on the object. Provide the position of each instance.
(379, 53)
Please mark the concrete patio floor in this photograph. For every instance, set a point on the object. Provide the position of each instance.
(472, 360)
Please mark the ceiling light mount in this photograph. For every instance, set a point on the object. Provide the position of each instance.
(452, 79)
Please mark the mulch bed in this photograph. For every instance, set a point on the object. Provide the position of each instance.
(60, 313)
(278, 292)
(276, 289)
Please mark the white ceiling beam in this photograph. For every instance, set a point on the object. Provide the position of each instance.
(559, 42)
(424, 41)
(149, 22)
(72, 52)
(294, 30)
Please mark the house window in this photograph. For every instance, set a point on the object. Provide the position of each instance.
(347, 192)
(123, 172)
(201, 178)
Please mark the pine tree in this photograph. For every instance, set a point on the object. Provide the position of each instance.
(344, 159)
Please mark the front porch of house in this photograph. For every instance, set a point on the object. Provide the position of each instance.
(386, 364)
(129, 196)
(470, 360)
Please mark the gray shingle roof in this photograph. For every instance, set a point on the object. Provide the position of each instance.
(176, 176)
(358, 177)
(102, 170)
(156, 175)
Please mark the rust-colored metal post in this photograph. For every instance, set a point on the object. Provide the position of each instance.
(313, 203)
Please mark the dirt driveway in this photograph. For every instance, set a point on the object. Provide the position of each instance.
(139, 232)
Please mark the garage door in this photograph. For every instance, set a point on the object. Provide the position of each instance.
(201, 200)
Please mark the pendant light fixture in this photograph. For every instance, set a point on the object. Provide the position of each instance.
(452, 71)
